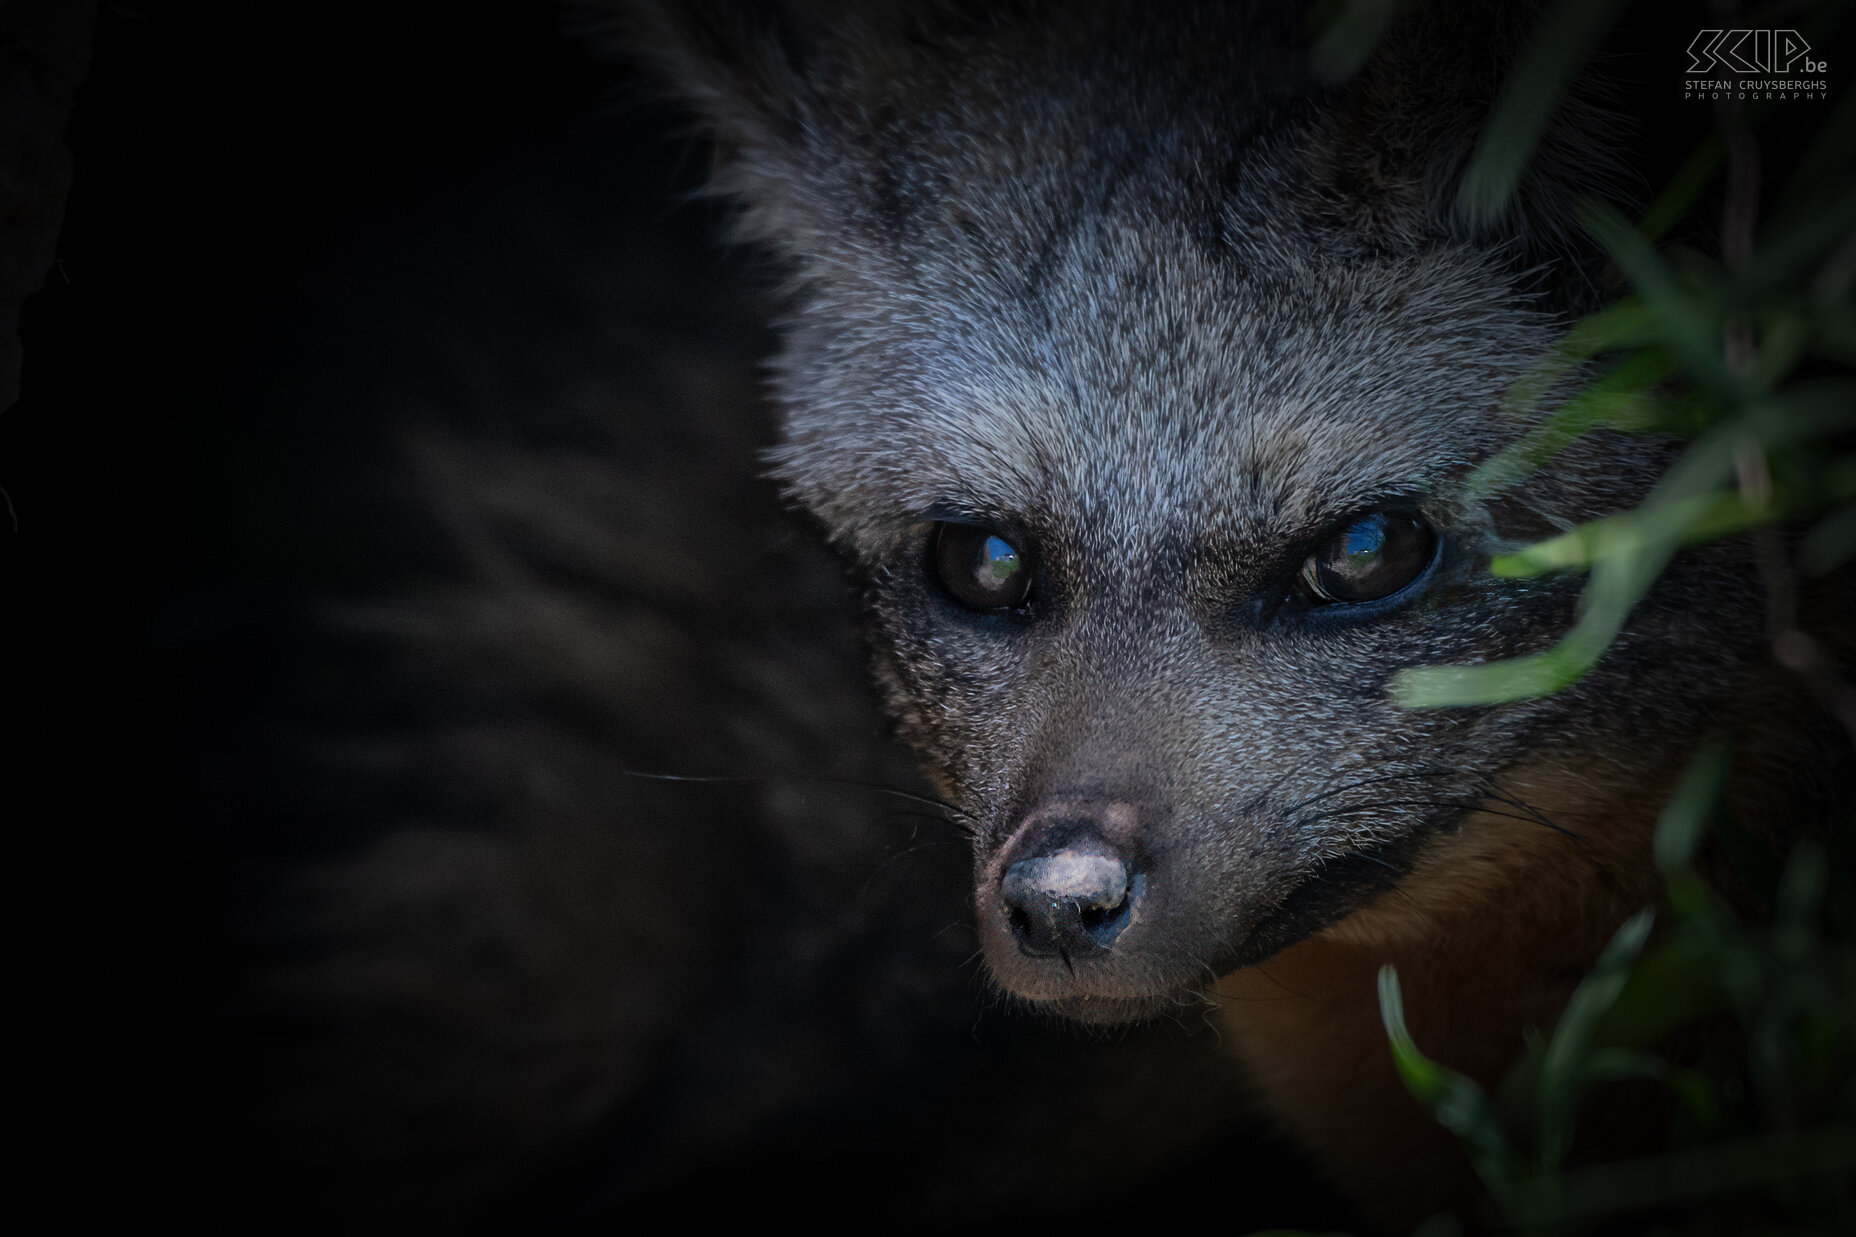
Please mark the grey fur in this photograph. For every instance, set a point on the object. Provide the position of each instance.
(1133, 286)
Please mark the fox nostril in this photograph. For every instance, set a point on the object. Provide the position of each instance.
(1097, 917)
(1073, 901)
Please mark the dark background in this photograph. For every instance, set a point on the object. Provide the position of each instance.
(401, 409)
(399, 405)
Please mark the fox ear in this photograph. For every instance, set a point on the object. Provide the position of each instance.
(769, 80)
(1405, 130)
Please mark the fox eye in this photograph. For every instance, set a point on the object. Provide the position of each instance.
(981, 569)
(1374, 557)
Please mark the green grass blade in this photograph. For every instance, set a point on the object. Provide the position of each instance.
(1455, 1099)
(1684, 187)
(1690, 326)
(1530, 94)
(1690, 810)
(1618, 397)
(1347, 41)
(1566, 1062)
(1632, 1185)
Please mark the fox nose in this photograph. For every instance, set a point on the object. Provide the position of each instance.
(1071, 900)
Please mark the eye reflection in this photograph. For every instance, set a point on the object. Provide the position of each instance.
(1000, 559)
(979, 568)
(1364, 541)
(1371, 558)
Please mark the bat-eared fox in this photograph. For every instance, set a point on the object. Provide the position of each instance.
(1135, 369)
(559, 868)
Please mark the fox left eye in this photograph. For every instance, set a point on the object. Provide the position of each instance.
(1371, 558)
(980, 568)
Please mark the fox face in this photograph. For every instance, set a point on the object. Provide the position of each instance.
(1137, 373)
(1139, 569)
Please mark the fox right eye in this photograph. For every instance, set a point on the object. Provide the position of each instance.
(1374, 557)
(980, 569)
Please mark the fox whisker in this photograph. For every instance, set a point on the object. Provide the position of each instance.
(810, 779)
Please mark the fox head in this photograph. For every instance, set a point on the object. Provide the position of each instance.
(1136, 372)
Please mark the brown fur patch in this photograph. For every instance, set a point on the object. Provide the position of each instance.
(1492, 930)
(1490, 933)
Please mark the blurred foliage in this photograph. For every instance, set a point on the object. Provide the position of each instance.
(1757, 1136)
(1744, 357)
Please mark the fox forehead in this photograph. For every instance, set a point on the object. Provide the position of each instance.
(1145, 383)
